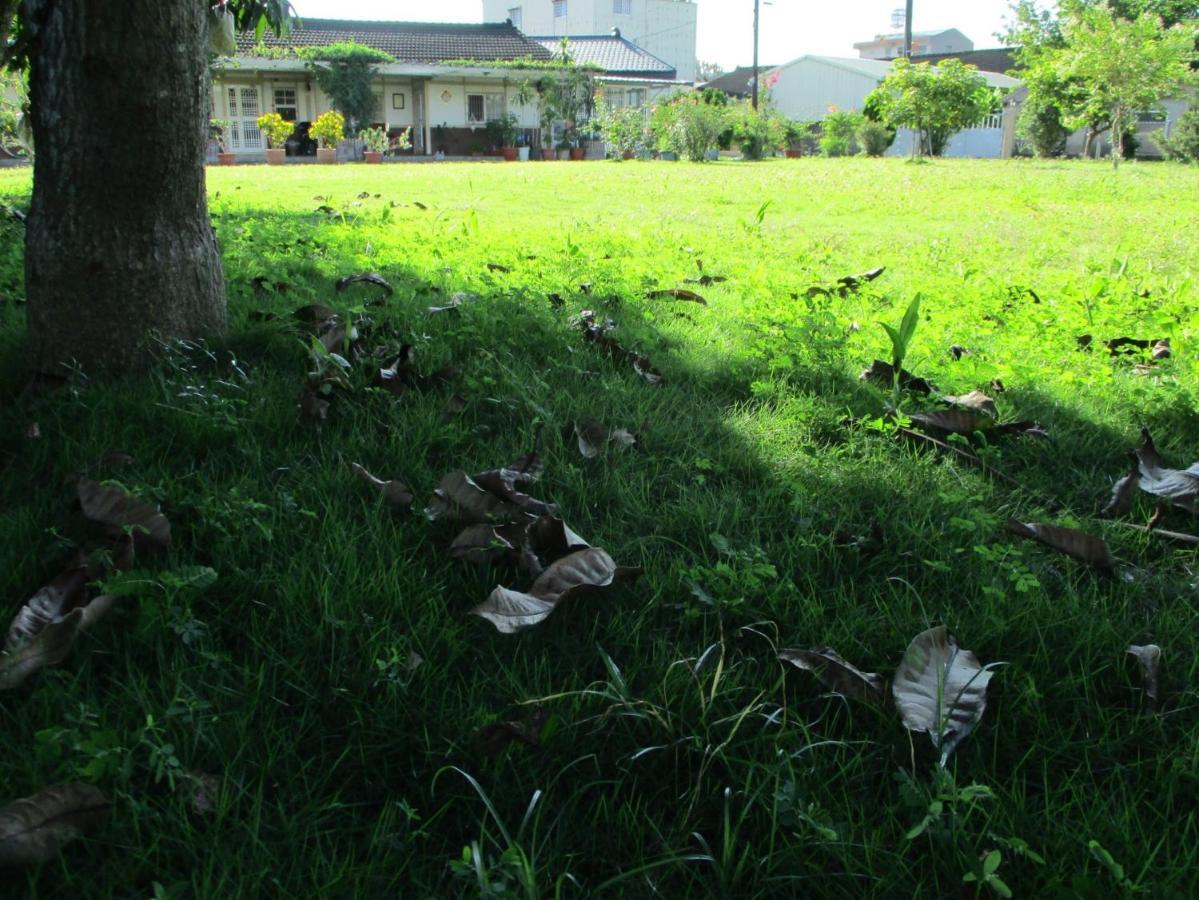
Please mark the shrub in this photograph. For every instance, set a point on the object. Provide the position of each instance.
(875, 137)
(840, 132)
(1040, 126)
(276, 128)
(1183, 143)
(329, 128)
(683, 123)
(759, 132)
(621, 129)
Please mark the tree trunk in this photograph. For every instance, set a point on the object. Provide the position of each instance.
(119, 248)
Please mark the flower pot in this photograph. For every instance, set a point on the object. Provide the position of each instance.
(276, 157)
(628, 154)
(509, 153)
(226, 159)
(326, 155)
(669, 156)
(794, 154)
(577, 153)
(563, 154)
(373, 157)
(522, 154)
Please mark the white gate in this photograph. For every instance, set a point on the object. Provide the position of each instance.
(244, 110)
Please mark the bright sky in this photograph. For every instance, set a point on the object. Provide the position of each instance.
(789, 28)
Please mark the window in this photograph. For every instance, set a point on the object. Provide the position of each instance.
(615, 99)
(514, 17)
(622, 7)
(481, 108)
(637, 97)
(285, 103)
(397, 101)
(559, 9)
(995, 120)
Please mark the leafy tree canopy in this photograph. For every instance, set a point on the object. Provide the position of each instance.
(936, 102)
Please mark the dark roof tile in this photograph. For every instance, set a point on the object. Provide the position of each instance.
(428, 42)
(615, 55)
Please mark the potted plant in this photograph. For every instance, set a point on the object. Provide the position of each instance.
(794, 134)
(475, 148)
(563, 149)
(217, 129)
(400, 143)
(441, 134)
(277, 131)
(506, 130)
(328, 129)
(376, 143)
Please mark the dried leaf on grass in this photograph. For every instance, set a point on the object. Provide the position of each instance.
(836, 674)
(1180, 487)
(1082, 546)
(597, 333)
(883, 374)
(364, 278)
(953, 421)
(853, 282)
(50, 644)
(490, 496)
(456, 300)
(976, 401)
(496, 267)
(940, 689)
(401, 375)
(594, 437)
(580, 572)
(1124, 491)
(315, 313)
(676, 294)
(527, 543)
(493, 738)
(706, 280)
(118, 511)
(34, 829)
(396, 493)
(1149, 657)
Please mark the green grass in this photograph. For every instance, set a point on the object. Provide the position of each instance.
(346, 772)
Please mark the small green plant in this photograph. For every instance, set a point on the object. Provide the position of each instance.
(901, 338)
(217, 130)
(328, 129)
(839, 133)
(875, 137)
(375, 139)
(276, 128)
(1183, 143)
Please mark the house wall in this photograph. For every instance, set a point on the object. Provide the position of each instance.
(807, 88)
(891, 46)
(973, 143)
(665, 28)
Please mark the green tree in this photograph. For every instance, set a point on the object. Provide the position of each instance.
(345, 72)
(1124, 65)
(935, 102)
(1183, 142)
(685, 123)
(119, 248)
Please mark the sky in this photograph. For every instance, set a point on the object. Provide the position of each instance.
(789, 28)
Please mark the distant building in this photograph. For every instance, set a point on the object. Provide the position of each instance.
(632, 77)
(739, 82)
(663, 28)
(924, 43)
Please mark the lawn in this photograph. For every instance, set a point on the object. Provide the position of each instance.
(327, 719)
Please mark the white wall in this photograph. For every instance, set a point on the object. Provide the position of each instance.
(807, 88)
(973, 143)
(452, 111)
(665, 28)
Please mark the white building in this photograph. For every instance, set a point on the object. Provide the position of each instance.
(890, 46)
(665, 28)
(810, 87)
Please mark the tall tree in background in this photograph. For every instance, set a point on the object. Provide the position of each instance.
(1124, 65)
(1057, 92)
(936, 102)
(708, 71)
(119, 248)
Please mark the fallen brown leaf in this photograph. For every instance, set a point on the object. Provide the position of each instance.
(1180, 487)
(118, 511)
(593, 437)
(1082, 546)
(34, 829)
(836, 674)
(1149, 656)
(975, 400)
(883, 374)
(677, 294)
(364, 278)
(395, 493)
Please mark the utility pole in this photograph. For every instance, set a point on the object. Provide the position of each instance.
(755, 86)
(907, 32)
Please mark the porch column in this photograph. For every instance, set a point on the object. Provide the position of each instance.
(419, 142)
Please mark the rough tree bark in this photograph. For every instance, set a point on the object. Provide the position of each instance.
(119, 248)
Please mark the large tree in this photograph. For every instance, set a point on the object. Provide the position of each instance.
(1045, 62)
(119, 249)
(937, 102)
(1124, 64)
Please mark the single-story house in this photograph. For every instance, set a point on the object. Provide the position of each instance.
(447, 81)
(810, 87)
(633, 77)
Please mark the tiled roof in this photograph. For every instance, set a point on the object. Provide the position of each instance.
(614, 54)
(427, 42)
(736, 82)
(1001, 59)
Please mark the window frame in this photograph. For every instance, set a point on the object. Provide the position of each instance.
(560, 10)
(622, 7)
